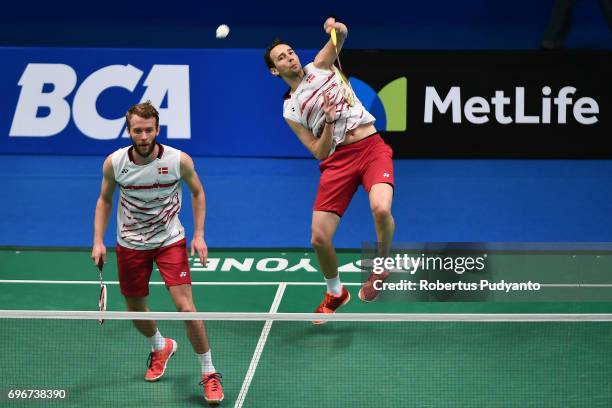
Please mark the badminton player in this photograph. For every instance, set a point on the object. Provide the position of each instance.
(149, 177)
(335, 127)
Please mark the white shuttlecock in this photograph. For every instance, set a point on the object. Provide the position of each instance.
(222, 31)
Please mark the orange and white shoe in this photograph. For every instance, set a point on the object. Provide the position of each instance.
(213, 390)
(159, 359)
(368, 293)
(331, 303)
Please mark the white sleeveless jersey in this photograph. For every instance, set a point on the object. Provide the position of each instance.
(305, 105)
(149, 199)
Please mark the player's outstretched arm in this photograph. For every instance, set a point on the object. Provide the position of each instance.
(326, 57)
(103, 209)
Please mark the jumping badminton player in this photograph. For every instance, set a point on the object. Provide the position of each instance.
(334, 126)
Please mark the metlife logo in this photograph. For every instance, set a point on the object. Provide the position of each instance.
(492, 104)
(388, 105)
(506, 109)
(43, 109)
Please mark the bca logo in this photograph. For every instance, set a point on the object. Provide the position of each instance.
(48, 86)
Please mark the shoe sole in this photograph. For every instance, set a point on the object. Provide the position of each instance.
(214, 402)
(174, 348)
(363, 299)
(319, 322)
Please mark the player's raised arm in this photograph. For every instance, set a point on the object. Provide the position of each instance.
(328, 54)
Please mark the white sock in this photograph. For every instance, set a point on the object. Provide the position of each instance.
(157, 341)
(334, 286)
(206, 363)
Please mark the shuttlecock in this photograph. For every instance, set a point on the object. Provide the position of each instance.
(222, 31)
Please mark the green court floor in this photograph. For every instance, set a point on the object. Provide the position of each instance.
(361, 364)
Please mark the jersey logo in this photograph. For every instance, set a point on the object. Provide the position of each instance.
(386, 175)
(310, 78)
(124, 171)
(162, 170)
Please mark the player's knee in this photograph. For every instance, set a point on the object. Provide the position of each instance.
(381, 212)
(319, 239)
(136, 306)
(137, 309)
(186, 307)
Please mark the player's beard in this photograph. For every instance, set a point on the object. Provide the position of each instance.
(144, 151)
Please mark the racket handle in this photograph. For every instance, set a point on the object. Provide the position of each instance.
(100, 264)
(334, 37)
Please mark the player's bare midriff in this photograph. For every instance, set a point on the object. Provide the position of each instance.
(360, 132)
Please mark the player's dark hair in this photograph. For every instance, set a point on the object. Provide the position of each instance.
(145, 110)
(267, 59)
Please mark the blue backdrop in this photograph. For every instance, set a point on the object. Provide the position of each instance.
(50, 200)
(232, 103)
(442, 24)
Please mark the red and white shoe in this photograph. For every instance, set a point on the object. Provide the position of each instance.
(368, 293)
(213, 390)
(331, 303)
(159, 359)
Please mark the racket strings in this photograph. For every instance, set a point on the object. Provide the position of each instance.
(102, 301)
(102, 298)
(338, 59)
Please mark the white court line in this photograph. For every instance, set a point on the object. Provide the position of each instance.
(97, 282)
(259, 348)
(307, 318)
(576, 285)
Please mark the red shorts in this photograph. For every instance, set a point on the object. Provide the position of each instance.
(135, 267)
(366, 162)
